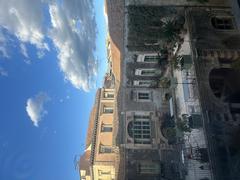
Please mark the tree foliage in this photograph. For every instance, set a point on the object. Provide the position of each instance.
(236, 64)
(153, 28)
(170, 31)
(164, 82)
(170, 133)
(182, 125)
(177, 62)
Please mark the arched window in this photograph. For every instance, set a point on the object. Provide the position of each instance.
(140, 129)
(223, 23)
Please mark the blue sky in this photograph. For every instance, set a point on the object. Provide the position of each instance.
(52, 59)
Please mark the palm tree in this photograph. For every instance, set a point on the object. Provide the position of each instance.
(164, 82)
(170, 32)
(177, 62)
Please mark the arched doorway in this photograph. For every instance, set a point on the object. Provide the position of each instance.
(225, 84)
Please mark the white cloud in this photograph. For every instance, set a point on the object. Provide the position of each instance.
(3, 72)
(3, 48)
(72, 31)
(24, 19)
(4, 52)
(27, 61)
(24, 50)
(40, 54)
(35, 107)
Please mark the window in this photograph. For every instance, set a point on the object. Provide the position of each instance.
(148, 72)
(108, 95)
(145, 72)
(107, 110)
(236, 116)
(143, 95)
(83, 172)
(223, 23)
(103, 173)
(140, 129)
(149, 168)
(105, 149)
(149, 58)
(143, 83)
(152, 59)
(106, 128)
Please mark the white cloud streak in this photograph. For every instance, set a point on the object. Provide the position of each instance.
(3, 49)
(24, 50)
(35, 107)
(3, 72)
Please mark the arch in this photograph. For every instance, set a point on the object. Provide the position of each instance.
(130, 129)
(140, 131)
(225, 84)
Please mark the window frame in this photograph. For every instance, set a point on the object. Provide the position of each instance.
(142, 58)
(107, 108)
(105, 149)
(148, 83)
(104, 173)
(108, 126)
(152, 58)
(107, 93)
(140, 129)
(223, 25)
(143, 95)
(139, 72)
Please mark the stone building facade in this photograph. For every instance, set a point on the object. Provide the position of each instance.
(143, 106)
(98, 161)
(127, 141)
(214, 46)
(216, 55)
